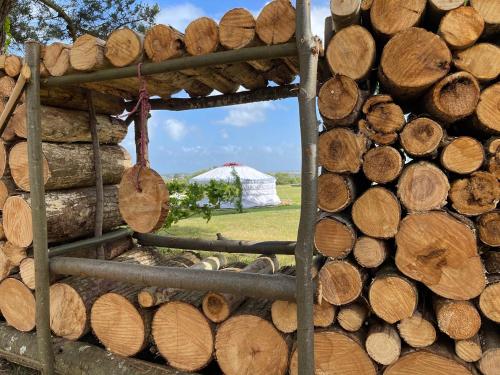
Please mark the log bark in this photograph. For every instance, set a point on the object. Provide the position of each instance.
(417, 330)
(341, 150)
(55, 59)
(60, 161)
(202, 36)
(463, 155)
(377, 212)
(490, 343)
(70, 215)
(340, 101)
(144, 210)
(488, 226)
(445, 259)
(217, 307)
(17, 303)
(335, 192)
(458, 319)
(13, 65)
(488, 110)
(248, 342)
(454, 97)
(392, 296)
(370, 252)
(351, 317)
(482, 60)
(87, 54)
(345, 13)
(390, 17)
(337, 352)
(423, 187)
(461, 27)
(469, 350)
(124, 47)
(490, 11)
(276, 22)
(383, 343)
(341, 282)
(382, 164)
(334, 236)
(351, 52)
(406, 49)
(475, 195)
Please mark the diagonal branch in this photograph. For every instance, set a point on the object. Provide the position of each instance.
(62, 14)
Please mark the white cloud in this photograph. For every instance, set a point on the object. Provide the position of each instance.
(175, 129)
(246, 114)
(224, 134)
(179, 16)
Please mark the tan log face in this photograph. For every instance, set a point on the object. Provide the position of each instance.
(276, 22)
(237, 28)
(341, 282)
(391, 17)
(124, 47)
(461, 27)
(202, 36)
(482, 60)
(337, 99)
(463, 155)
(162, 42)
(488, 302)
(370, 252)
(333, 238)
(341, 150)
(17, 303)
(488, 109)
(417, 331)
(421, 137)
(427, 362)
(475, 195)
(335, 192)
(489, 228)
(382, 164)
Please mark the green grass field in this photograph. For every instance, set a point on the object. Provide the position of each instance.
(256, 224)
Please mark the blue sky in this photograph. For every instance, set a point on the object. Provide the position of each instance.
(263, 135)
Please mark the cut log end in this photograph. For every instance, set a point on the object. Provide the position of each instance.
(118, 325)
(370, 252)
(351, 317)
(162, 42)
(237, 28)
(276, 22)
(383, 344)
(463, 155)
(461, 27)
(389, 18)
(17, 221)
(87, 53)
(334, 238)
(202, 36)
(421, 137)
(489, 228)
(469, 350)
(382, 164)
(490, 12)
(458, 319)
(144, 210)
(488, 302)
(341, 150)
(335, 192)
(482, 60)
(284, 315)
(383, 115)
(339, 100)
(12, 65)
(417, 331)
(215, 307)
(17, 304)
(19, 166)
(341, 282)
(475, 195)
(66, 302)
(124, 47)
(27, 272)
(183, 336)
(488, 109)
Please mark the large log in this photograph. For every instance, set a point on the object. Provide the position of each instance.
(458, 319)
(382, 164)
(60, 161)
(475, 195)
(276, 22)
(463, 155)
(124, 47)
(383, 343)
(341, 150)
(461, 27)
(337, 352)
(334, 236)
(163, 42)
(335, 191)
(55, 59)
(417, 330)
(17, 303)
(87, 53)
(248, 342)
(490, 11)
(70, 215)
(445, 259)
(345, 13)
(488, 109)
(201, 36)
(351, 52)
(237, 28)
(388, 17)
(482, 60)
(424, 55)
(341, 282)
(422, 187)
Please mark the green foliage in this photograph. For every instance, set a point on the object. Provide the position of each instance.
(8, 35)
(283, 178)
(184, 198)
(237, 182)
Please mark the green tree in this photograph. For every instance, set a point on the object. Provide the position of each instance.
(46, 20)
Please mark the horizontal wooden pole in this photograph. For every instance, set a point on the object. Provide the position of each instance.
(280, 287)
(226, 246)
(190, 62)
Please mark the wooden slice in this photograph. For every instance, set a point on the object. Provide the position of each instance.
(336, 353)
(423, 187)
(370, 252)
(383, 115)
(392, 297)
(345, 13)
(382, 164)
(458, 319)
(143, 210)
(124, 47)
(445, 259)
(490, 11)
(284, 315)
(469, 350)
(237, 28)
(421, 137)
(390, 17)
(12, 65)
(341, 150)
(481, 60)
(341, 282)
(339, 101)
(454, 97)
(417, 331)
(488, 300)
(351, 52)
(351, 317)
(377, 213)
(202, 36)
(488, 109)
(17, 304)
(463, 155)
(475, 195)
(87, 53)
(335, 192)
(383, 344)
(334, 237)
(424, 55)
(163, 42)
(490, 361)
(461, 27)
(276, 22)
(488, 226)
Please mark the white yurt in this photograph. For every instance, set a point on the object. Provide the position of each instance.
(258, 189)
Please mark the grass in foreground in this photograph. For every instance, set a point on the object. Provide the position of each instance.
(256, 224)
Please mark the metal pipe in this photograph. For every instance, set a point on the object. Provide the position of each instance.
(107, 237)
(309, 49)
(192, 62)
(39, 218)
(280, 287)
(226, 246)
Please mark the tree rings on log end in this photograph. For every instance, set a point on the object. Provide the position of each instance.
(215, 307)
(488, 109)
(370, 252)
(143, 210)
(391, 17)
(339, 100)
(461, 27)
(17, 304)
(27, 272)
(341, 150)
(463, 155)
(68, 316)
(19, 166)
(475, 195)
(489, 228)
(123, 47)
(421, 137)
(334, 238)
(335, 192)
(118, 325)
(201, 36)
(17, 221)
(383, 344)
(341, 282)
(425, 361)
(162, 42)
(417, 331)
(237, 28)
(458, 319)
(276, 22)
(482, 60)
(284, 315)
(488, 302)
(382, 164)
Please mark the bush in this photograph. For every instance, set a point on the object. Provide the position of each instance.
(283, 178)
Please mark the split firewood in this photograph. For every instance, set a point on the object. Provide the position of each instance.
(124, 47)
(341, 282)
(463, 155)
(475, 195)
(458, 319)
(421, 137)
(382, 164)
(383, 343)
(341, 150)
(390, 17)
(461, 27)
(335, 191)
(482, 60)
(370, 252)
(334, 236)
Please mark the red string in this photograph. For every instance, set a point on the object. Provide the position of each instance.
(144, 107)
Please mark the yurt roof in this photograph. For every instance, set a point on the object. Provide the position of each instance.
(224, 173)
